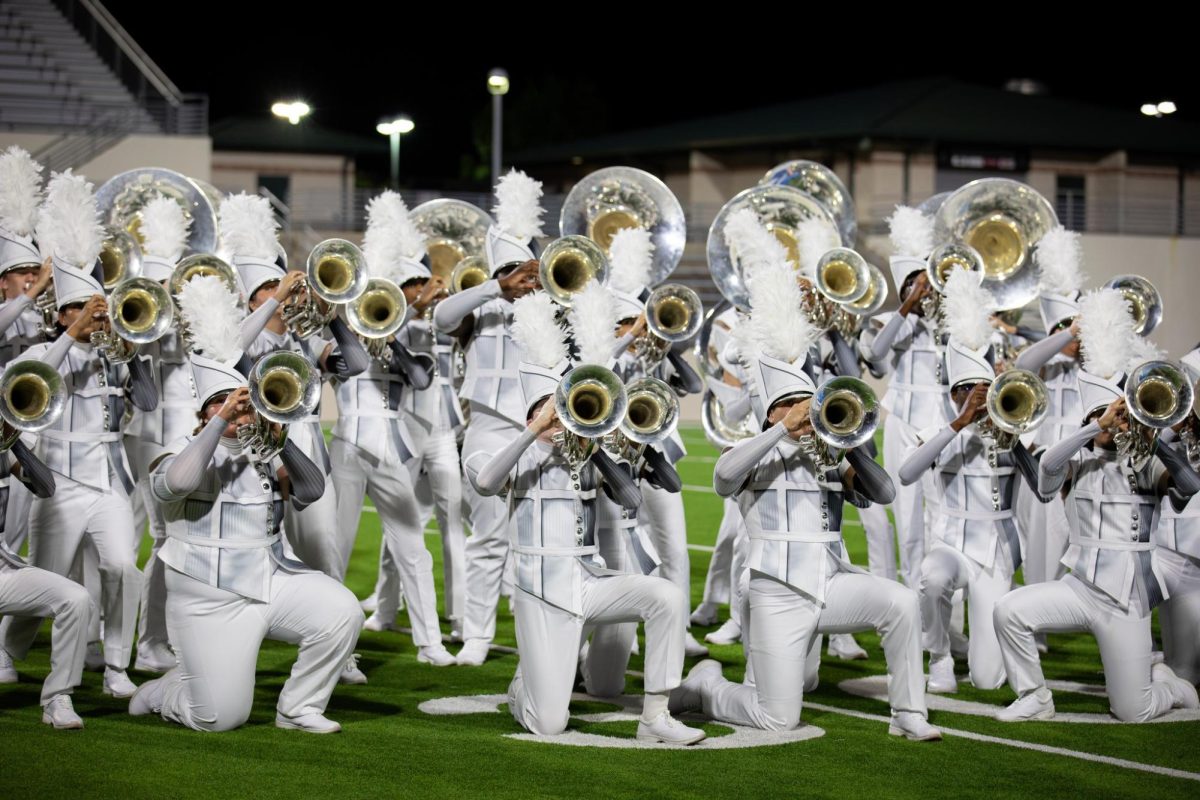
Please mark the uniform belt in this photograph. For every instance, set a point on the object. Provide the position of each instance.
(226, 544)
(1111, 544)
(816, 537)
(978, 515)
(555, 551)
(89, 438)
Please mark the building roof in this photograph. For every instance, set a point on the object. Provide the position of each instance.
(271, 135)
(924, 110)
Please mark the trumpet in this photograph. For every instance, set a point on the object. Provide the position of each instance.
(140, 311)
(335, 273)
(1158, 395)
(47, 305)
(32, 398)
(1017, 402)
(376, 314)
(717, 427)
(873, 299)
(844, 414)
(941, 262)
(1145, 303)
(120, 257)
(285, 387)
(591, 403)
(843, 275)
(468, 273)
(568, 264)
(651, 412)
(674, 313)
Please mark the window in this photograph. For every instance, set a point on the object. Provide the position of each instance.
(1070, 202)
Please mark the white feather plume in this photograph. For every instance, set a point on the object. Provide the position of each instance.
(751, 245)
(20, 191)
(536, 330)
(248, 226)
(213, 317)
(777, 325)
(1106, 337)
(911, 232)
(966, 309)
(1059, 257)
(164, 228)
(519, 205)
(631, 256)
(68, 225)
(593, 319)
(815, 238)
(1142, 350)
(391, 234)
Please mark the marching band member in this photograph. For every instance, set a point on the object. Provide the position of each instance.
(1113, 583)
(563, 587)
(914, 398)
(482, 316)
(373, 450)
(229, 583)
(83, 448)
(976, 546)
(801, 582)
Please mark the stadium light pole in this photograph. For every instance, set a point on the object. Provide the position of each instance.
(497, 84)
(394, 128)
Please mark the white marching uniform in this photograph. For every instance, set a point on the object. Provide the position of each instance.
(29, 591)
(24, 332)
(497, 412)
(229, 586)
(91, 500)
(977, 548)
(915, 400)
(1177, 553)
(1113, 584)
(564, 588)
(370, 452)
(802, 584)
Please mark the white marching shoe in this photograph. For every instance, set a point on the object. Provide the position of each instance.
(914, 727)
(8, 673)
(941, 676)
(117, 683)
(692, 648)
(689, 695)
(729, 633)
(60, 713)
(155, 658)
(378, 624)
(437, 655)
(351, 674)
(309, 723)
(148, 699)
(1038, 704)
(668, 730)
(844, 646)
(473, 653)
(1183, 692)
(705, 614)
(371, 604)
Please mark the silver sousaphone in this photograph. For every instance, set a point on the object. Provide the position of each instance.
(823, 185)
(612, 199)
(453, 230)
(121, 198)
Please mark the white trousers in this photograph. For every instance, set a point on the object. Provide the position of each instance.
(718, 583)
(152, 623)
(16, 515)
(38, 594)
(662, 514)
(487, 548)
(1071, 605)
(909, 506)
(1044, 532)
(548, 640)
(881, 543)
(1179, 616)
(58, 526)
(944, 572)
(440, 480)
(217, 635)
(390, 488)
(605, 660)
(784, 626)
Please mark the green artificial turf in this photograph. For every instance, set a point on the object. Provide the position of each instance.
(391, 749)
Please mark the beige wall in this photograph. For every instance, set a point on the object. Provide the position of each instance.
(190, 155)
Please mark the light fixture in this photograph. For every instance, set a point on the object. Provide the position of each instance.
(498, 81)
(395, 125)
(1160, 109)
(1166, 107)
(291, 110)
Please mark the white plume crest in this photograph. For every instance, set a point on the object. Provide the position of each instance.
(68, 225)
(1142, 350)
(631, 256)
(518, 207)
(966, 309)
(391, 234)
(248, 226)
(213, 317)
(911, 232)
(815, 238)
(1059, 258)
(593, 319)
(20, 191)
(777, 326)
(751, 245)
(1106, 337)
(164, 228)
(536, 330)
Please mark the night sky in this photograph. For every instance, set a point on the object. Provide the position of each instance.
(354, 64)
